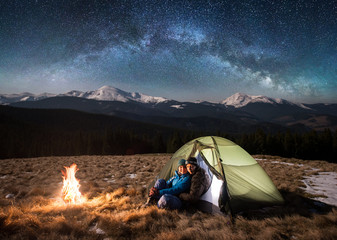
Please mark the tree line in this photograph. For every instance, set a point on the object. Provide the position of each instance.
(25, 142)
(309, 145)
(35, 133)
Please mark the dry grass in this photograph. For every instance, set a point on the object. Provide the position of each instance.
(115, 187)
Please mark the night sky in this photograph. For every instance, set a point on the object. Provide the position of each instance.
(182, 50)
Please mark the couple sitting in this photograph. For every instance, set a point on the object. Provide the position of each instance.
(188, 184)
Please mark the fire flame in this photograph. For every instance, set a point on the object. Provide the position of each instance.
(70, 190)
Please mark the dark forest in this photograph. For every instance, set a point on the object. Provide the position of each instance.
(34, 133)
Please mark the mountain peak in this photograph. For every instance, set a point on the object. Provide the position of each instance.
(110, 89)
(240, 100)
(108, 93)
(107, 87)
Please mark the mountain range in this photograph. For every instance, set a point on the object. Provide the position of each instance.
(105, 93)
(238, 113)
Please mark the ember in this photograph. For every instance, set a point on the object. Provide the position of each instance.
(70, 190)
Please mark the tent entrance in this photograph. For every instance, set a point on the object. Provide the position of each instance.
(216, 199)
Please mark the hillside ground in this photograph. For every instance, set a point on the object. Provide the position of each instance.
(114, 188)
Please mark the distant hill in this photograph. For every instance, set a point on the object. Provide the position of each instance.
(192, 116)
(238, 113)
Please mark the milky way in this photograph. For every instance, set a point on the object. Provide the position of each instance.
(183, 50)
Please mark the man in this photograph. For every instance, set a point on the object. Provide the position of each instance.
(200, 182)
(166, 192)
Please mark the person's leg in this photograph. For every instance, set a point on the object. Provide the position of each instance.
(169, 201)
(160, 184)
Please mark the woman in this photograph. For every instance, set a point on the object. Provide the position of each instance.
(166, 192)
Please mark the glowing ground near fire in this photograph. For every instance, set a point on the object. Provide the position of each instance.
(114, 187)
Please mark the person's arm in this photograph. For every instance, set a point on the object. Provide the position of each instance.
(169, 182)
(182, 186)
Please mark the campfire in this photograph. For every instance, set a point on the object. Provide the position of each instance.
(70, 190)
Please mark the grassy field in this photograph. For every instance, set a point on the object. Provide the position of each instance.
(114, 188)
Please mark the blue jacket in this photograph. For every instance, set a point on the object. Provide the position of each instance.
(177, 184)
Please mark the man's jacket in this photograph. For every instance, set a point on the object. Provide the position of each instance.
(200, 183)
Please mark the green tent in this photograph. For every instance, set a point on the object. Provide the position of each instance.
(238, 181)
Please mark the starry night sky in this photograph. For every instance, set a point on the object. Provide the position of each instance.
(182, 50)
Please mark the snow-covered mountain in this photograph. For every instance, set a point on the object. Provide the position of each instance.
(239, 100)
(105, 93)
(132, 105)
(21, 97)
